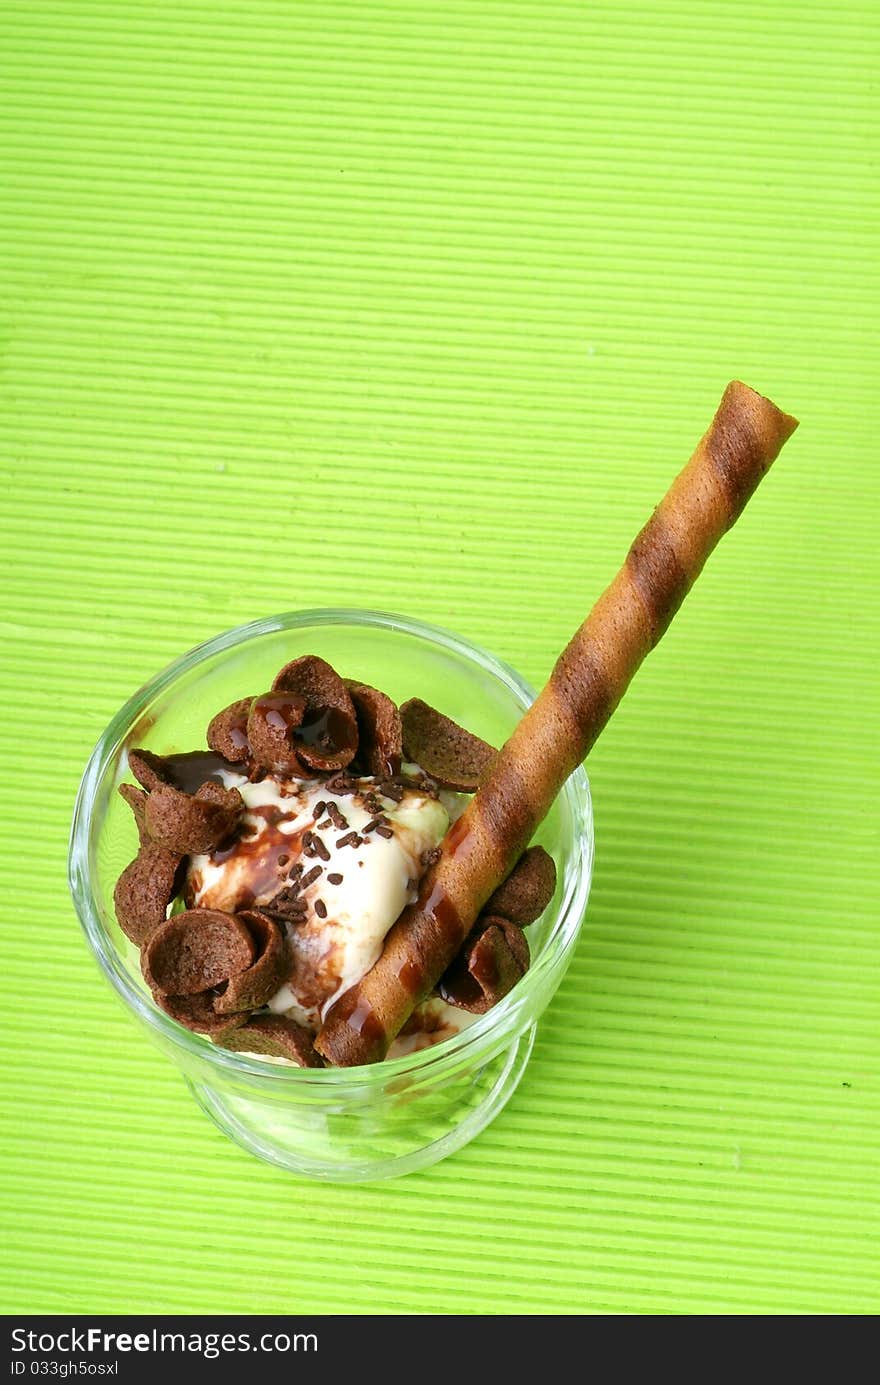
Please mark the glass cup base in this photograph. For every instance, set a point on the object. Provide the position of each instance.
(338, 1141)
(336, 1124)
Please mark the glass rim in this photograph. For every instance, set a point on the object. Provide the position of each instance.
(500, 1021)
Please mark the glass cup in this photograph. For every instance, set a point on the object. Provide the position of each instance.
(338, 1124)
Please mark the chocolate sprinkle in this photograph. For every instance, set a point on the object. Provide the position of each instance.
(341, 784)
(287, 904)
(320, 908)
(390, 789)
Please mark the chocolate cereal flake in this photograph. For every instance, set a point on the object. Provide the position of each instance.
(197, 1012)
(190, 823)
(196, 950)
(148, 769)
(452, 756)
(272, 723)
(380, 736)
(144, 890)
(528, 889)
(227, 732)
(251, 988)
(494, 956)
(327, 737)
(137, 802)
(274, 1036)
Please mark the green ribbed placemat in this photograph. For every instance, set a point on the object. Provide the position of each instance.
(445, 295)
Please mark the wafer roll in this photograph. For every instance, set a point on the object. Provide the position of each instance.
(589, 679)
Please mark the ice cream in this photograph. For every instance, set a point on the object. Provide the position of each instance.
(272, 866)
(340, 866)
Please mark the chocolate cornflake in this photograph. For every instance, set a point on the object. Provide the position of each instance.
(379, 731)
(272, 723)
(339, 820)
(149, 770)
(328, 738)
(449, 754)
(145, 889)
(192, 823)
(274, 1036)
(227, 731)
(196, 950)
(197, 1013)
(335, 878)
(287, 905)
(251, 988)
(493, 957)
(320, 908)
(137, 802)
(528, 889)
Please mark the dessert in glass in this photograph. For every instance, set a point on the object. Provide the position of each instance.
(337, 861)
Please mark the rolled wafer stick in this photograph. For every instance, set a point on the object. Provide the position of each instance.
(589, 679)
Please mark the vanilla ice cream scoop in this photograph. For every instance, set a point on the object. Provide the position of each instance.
(337, 868)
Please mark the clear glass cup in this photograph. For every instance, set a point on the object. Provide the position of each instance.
(338, 1124)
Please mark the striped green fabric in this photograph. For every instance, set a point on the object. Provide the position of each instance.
(421, 307)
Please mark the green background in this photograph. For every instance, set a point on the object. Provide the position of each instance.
(421, 307)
